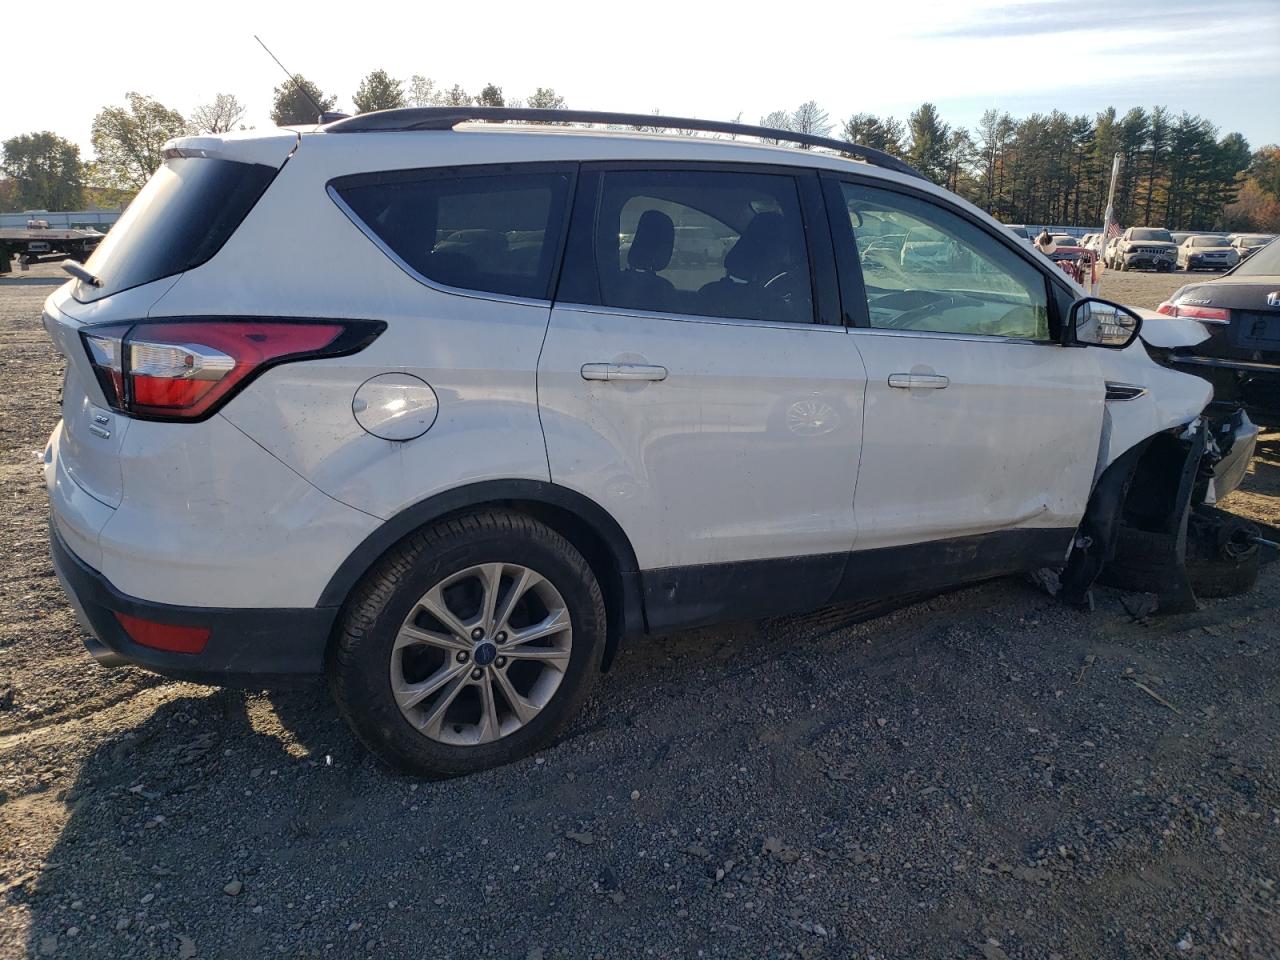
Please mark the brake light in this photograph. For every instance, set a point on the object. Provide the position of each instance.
(1167, 309)
(1207, 314)
(186, 369)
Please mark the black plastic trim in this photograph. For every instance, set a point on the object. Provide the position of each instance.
(678, 598)
(247, 646)
(446, 118)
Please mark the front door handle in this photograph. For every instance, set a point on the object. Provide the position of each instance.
(623, 371)
(918, 381)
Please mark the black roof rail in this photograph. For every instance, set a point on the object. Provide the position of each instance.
(446, 118)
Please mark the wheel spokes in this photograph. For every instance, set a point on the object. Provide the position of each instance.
(410, 635)
(556, 622)
(447, 645)
(522, 708)
(549, 655)
(411, 694)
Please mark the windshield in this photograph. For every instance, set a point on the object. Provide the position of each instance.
(1063, 240)
(1145, 234)
(1264, 263)
(1209, 242)
(1254, 241)
(180, 219)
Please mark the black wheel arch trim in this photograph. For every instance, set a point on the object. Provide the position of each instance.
(499, 493)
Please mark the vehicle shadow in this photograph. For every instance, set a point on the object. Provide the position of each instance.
(692, 750)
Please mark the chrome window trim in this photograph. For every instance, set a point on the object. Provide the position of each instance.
(599, 310)
(421, 278)
(943, 335)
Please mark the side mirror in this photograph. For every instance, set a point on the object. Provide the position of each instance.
(1101, 323)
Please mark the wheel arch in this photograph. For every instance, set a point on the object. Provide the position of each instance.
(580, 520)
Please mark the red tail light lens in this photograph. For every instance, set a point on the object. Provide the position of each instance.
(186, 369)
(1207, 314)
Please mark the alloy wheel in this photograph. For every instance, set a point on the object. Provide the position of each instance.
(481, 653)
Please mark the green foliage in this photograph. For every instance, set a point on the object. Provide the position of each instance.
(490, 96)
(290, 106)
(545, 98)
(929, 136)
(870, 131)
(45, 171)
(128, 141)
(379, 91)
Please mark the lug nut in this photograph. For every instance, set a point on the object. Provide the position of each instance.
(501, 637)
(477, 673)
(477, 633)
(463, 656)
(502, 661)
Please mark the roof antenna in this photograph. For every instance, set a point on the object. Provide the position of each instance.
(301, 89)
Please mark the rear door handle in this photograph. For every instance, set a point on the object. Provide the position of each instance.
(623, 371)
(918, 381)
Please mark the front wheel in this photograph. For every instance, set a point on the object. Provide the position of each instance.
(471, 644)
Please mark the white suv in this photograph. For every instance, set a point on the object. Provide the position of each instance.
(445, 413)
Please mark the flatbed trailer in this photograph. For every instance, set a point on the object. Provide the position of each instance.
(32, 244)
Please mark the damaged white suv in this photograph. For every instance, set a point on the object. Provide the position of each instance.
(443, 414)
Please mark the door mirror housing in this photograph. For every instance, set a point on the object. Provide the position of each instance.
(1100, 323)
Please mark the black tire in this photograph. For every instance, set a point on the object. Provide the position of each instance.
(1140, 566)
(359, 661)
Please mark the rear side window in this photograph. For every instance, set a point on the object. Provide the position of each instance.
(701, 243)
(496, 232)
(180, 219)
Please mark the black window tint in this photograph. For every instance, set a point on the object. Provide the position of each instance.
(180, 219)
(498, 232)
(707, 243)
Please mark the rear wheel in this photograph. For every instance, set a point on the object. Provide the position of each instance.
(473, 643)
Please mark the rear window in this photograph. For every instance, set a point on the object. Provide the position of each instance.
(492, 231)
(180, 219)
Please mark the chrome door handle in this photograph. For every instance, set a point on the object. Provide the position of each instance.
(918, 381)
(623, 371)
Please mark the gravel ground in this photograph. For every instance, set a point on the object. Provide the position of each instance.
(983, 775)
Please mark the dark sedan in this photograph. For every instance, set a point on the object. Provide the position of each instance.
(1241, 311)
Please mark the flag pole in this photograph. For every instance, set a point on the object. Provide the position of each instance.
(1108, 218)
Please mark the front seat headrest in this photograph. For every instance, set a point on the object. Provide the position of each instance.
(761, 249)
(653, 243)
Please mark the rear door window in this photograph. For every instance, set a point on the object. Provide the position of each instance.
(180, 219)
(493, 231)
(694, 242)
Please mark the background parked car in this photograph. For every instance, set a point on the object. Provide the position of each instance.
(1241, 312)
(1207, 252)
(1180, 236)
(1150, 247)
(1247, 244)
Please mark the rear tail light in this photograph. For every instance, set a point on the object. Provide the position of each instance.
(187, 369)
(1206, 314)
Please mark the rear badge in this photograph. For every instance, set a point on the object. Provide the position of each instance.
(1273, 298)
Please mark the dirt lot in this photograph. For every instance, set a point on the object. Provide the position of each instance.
(987, 774)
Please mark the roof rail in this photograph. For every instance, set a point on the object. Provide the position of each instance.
(446, 118)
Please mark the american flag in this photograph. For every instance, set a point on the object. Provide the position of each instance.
(1113, 228)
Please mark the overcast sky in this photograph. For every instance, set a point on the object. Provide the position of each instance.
(1218, 58)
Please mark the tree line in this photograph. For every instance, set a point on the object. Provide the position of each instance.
(1176, 171)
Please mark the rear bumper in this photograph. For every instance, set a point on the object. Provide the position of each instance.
(264, 647)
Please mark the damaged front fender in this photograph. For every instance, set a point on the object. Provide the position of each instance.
(1148, 527)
